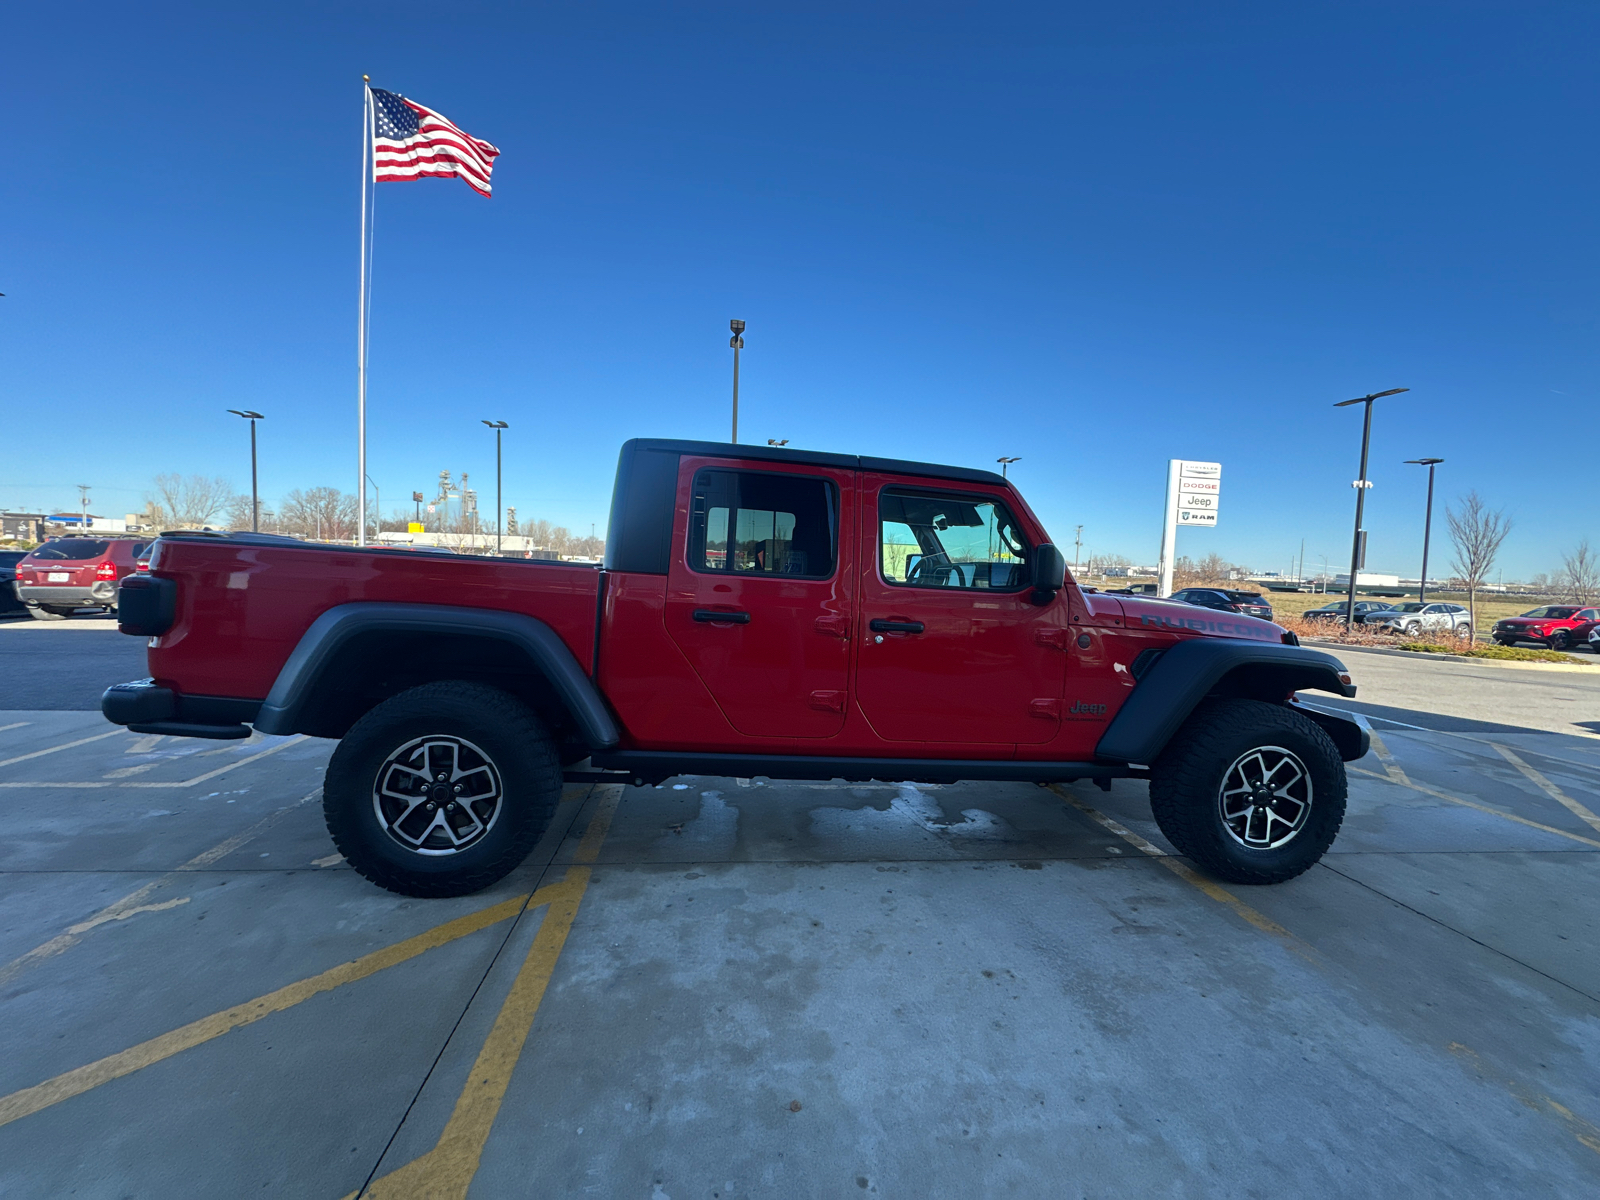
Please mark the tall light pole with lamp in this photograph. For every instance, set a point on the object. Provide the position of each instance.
(497, 426)
(255, 498)
(1005, 463)
(1427, 521)
(1358, 548)
(737, 342)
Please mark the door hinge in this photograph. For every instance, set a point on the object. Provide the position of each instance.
(828, 701)
(1050, 710)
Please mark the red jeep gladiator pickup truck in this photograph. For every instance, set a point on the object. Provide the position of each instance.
(761, 611)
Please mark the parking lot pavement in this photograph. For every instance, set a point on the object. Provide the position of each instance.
(64, 664)
(726, 988)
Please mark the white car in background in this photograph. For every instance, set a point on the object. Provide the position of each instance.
(1419, 618)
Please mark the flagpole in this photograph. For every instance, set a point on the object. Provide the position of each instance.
(361, 331)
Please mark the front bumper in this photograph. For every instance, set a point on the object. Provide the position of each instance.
(145, 708)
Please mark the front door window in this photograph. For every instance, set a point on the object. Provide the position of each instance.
(953, 651)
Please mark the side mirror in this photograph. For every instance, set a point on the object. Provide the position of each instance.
(1049, 572)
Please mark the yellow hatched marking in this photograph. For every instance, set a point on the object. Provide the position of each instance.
(448, 1169)
(99, 737)
(134, 901)
(119, 783)
(1483, 808)
(1549, 789)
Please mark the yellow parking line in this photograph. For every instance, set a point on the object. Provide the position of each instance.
(1190, 876)
(6, 762)
(1549, 789)
(75, 1082)
(448, 1169)
(1585, 1131)
(121, 783)
(1484, 808)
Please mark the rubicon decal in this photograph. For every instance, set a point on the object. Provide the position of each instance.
(1202, 625)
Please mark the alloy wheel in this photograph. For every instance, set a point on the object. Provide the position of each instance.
(438, 794)
(1265, 798)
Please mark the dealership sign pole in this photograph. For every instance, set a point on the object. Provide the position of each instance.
(1194, 491)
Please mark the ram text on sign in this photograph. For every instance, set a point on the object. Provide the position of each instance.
(1189, 516)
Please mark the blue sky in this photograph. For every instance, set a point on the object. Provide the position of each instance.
(1095, 236)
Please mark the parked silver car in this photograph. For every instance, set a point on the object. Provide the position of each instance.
(1419, 618)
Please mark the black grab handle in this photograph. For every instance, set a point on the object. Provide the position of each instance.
(735, 618)
(879, 625)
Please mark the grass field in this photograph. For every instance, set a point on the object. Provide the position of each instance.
(1490, 608)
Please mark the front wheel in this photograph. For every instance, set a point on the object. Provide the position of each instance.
(443, 789)
(1253, 792)
(1561, 640)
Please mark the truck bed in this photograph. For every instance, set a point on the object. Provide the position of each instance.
(243, 606)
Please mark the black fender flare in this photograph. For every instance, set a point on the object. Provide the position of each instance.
(1186, 673)
(286, 704)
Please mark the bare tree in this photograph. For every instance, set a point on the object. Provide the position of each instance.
(1579, 580)
(186, 502)
(319, 512)
(1477, 533)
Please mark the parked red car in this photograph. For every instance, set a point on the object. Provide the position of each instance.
(68, 573)
(1557, 626)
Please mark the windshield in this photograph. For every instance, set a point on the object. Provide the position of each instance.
(1405, 608)
(1551, 614)
(70, 550)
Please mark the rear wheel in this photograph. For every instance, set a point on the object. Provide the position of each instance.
(49, 612)
(1251, 791)
(443, 789)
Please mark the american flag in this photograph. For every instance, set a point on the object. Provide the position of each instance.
(413, 142)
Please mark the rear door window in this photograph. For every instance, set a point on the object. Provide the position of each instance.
(755, 523)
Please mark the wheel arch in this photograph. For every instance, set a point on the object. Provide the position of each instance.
(1197, 669)
(354, 656)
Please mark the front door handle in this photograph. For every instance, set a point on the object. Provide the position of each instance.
(733, 618)
(880, 625)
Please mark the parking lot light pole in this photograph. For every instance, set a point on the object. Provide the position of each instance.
(1359, 544)
(1427, 522)
(737, 342)
(255, 501)
(497, 426)
(1005, 463)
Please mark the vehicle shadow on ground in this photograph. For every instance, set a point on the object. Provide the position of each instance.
(1436, 722)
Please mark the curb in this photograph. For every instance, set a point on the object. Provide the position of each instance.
(1414, 656)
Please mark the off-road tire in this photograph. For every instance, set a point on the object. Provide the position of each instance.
(48, 612)
(1187, 779)
(523, 759)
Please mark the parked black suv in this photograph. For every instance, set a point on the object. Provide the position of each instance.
(1336, 610)
(1250, 603)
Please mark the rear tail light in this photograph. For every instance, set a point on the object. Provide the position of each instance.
(106, 571)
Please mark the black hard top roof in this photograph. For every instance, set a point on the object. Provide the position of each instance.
(817, 458)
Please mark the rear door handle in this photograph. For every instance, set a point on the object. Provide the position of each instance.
(733, 618)
(880, 625)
